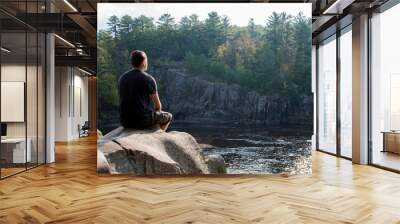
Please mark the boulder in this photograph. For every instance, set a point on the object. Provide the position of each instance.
(216, 164)
(153, 152)
(102, 163)
(99, 134)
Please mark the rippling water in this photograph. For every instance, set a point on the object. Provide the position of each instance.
(255, 150)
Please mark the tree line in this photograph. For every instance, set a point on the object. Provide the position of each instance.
(272, 59)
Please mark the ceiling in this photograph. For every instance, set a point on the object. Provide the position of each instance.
(75, 21)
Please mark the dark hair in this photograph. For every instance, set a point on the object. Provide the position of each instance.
(137, 58)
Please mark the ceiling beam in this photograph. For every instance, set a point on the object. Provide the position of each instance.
(338, 6)
(79, 61)
(86, 27)
(320, 23)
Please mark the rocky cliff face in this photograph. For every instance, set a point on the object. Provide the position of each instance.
(194, 99)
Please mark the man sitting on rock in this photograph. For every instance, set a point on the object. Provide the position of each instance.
(140, 106)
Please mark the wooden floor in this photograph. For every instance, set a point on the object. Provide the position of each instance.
(387, 159)
(10, 171)
(70, 191)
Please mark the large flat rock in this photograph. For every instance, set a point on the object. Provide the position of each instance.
(153, 152)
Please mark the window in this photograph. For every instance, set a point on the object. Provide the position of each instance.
(22, 98)
(385, 89)
(327, 95)
(346, 92)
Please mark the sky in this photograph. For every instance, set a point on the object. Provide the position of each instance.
(239, 13)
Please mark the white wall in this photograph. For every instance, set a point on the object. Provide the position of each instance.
(33, 126)
(71, 87)
(62, 81)
(9, 73)
(81, 89)
(12, 73)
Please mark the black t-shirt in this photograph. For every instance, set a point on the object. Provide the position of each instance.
(135, 103)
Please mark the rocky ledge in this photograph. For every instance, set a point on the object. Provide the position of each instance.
(191, 98)
(154, 152)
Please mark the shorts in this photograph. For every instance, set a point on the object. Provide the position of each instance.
(149, 121)
(161, 117)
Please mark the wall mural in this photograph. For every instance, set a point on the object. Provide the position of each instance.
(196, 88)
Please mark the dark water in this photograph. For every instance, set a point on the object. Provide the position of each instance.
(254, 149)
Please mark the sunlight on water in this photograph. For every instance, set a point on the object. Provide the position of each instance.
(255, 150)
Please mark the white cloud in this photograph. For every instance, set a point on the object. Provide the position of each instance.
(239, 13)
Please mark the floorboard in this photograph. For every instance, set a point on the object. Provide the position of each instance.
(70, 191)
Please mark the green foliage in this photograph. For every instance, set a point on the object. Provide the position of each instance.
(195, 64)
(273, 59)
(107, 97)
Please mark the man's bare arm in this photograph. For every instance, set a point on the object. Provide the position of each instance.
(156, 101)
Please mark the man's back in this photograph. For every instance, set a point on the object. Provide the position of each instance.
(135, 88)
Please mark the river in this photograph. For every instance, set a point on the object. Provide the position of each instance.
(254, 149)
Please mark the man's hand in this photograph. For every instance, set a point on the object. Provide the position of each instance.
(156, 101)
